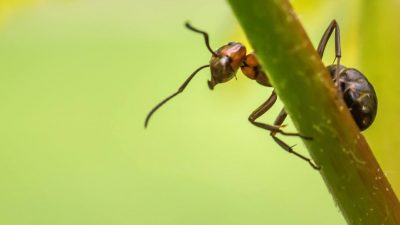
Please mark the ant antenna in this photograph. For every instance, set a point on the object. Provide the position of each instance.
(205, 37)
(181, 88)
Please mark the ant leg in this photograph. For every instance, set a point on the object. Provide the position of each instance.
(261, 110)
(278, 122)
(272, 128)
(276, 127)
(324, 40)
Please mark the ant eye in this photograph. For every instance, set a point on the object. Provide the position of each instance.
(230, 43)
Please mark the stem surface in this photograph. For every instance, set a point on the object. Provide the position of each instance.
(349, 168)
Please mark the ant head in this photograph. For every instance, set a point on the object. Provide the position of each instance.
(225, 63)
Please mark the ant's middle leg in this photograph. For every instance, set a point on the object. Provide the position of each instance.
(278, 122)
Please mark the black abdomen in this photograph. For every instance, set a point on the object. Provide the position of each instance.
(358, 93)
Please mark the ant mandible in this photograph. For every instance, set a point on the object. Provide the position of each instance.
(352, 85)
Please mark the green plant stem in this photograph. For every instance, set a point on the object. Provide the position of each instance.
(349, 168)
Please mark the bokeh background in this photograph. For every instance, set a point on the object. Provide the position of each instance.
(77, 78)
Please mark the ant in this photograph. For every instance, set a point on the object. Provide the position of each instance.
(352, 85)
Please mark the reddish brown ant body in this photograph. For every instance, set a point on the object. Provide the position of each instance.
(357, 92)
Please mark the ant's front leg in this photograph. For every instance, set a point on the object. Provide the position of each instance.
(272, 128)
(276, 127)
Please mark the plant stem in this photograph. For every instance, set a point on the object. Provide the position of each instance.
(349, 168)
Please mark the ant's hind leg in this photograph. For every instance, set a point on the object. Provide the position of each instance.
(333, 26)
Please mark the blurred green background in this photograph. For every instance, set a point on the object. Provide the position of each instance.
(79, 76)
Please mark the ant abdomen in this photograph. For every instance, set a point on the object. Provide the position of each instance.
(358, 94)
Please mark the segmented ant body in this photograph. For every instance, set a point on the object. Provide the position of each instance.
(354, 87)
